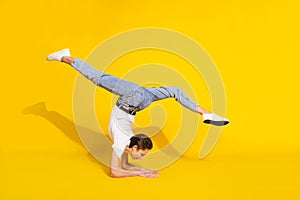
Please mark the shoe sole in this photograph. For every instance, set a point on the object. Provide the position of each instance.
(52, 56)
(216, 123)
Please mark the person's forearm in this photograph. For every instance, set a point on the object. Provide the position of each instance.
(119, 173)
(131, 167)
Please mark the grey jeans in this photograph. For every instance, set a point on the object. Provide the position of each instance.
(131, 94)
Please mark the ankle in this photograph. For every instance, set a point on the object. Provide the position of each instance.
(67, 59)
(202, 111)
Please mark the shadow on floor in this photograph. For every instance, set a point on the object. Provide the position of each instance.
(96, 144)
(68, 128)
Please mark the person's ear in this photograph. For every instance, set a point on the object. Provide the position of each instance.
(135, 148)
(129, 150)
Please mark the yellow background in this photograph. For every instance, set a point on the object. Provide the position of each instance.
(255, 45)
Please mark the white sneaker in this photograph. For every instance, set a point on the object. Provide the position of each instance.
(214, 119)
(58, 55)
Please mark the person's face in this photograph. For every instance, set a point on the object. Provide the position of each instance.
(138, 153)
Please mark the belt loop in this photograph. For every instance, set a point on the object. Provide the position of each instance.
(127, 110)
(118, 105)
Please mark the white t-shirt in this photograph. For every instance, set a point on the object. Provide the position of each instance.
(120, 130)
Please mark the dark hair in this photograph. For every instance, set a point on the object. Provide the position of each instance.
(142, 141)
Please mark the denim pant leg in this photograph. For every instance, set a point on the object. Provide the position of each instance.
(175, 92)
(101, 79)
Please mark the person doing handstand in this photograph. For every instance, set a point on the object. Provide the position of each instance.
(132, 98)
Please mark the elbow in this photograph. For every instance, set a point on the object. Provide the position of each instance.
(114, 173)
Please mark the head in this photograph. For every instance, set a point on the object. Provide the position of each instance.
(139, 146)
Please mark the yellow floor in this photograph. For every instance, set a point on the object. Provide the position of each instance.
(255, 46)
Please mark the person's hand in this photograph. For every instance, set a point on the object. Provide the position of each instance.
(150, 174)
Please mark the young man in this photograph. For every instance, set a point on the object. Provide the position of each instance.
(132, 98)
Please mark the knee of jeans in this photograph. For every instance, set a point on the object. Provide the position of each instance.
(176, 89)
